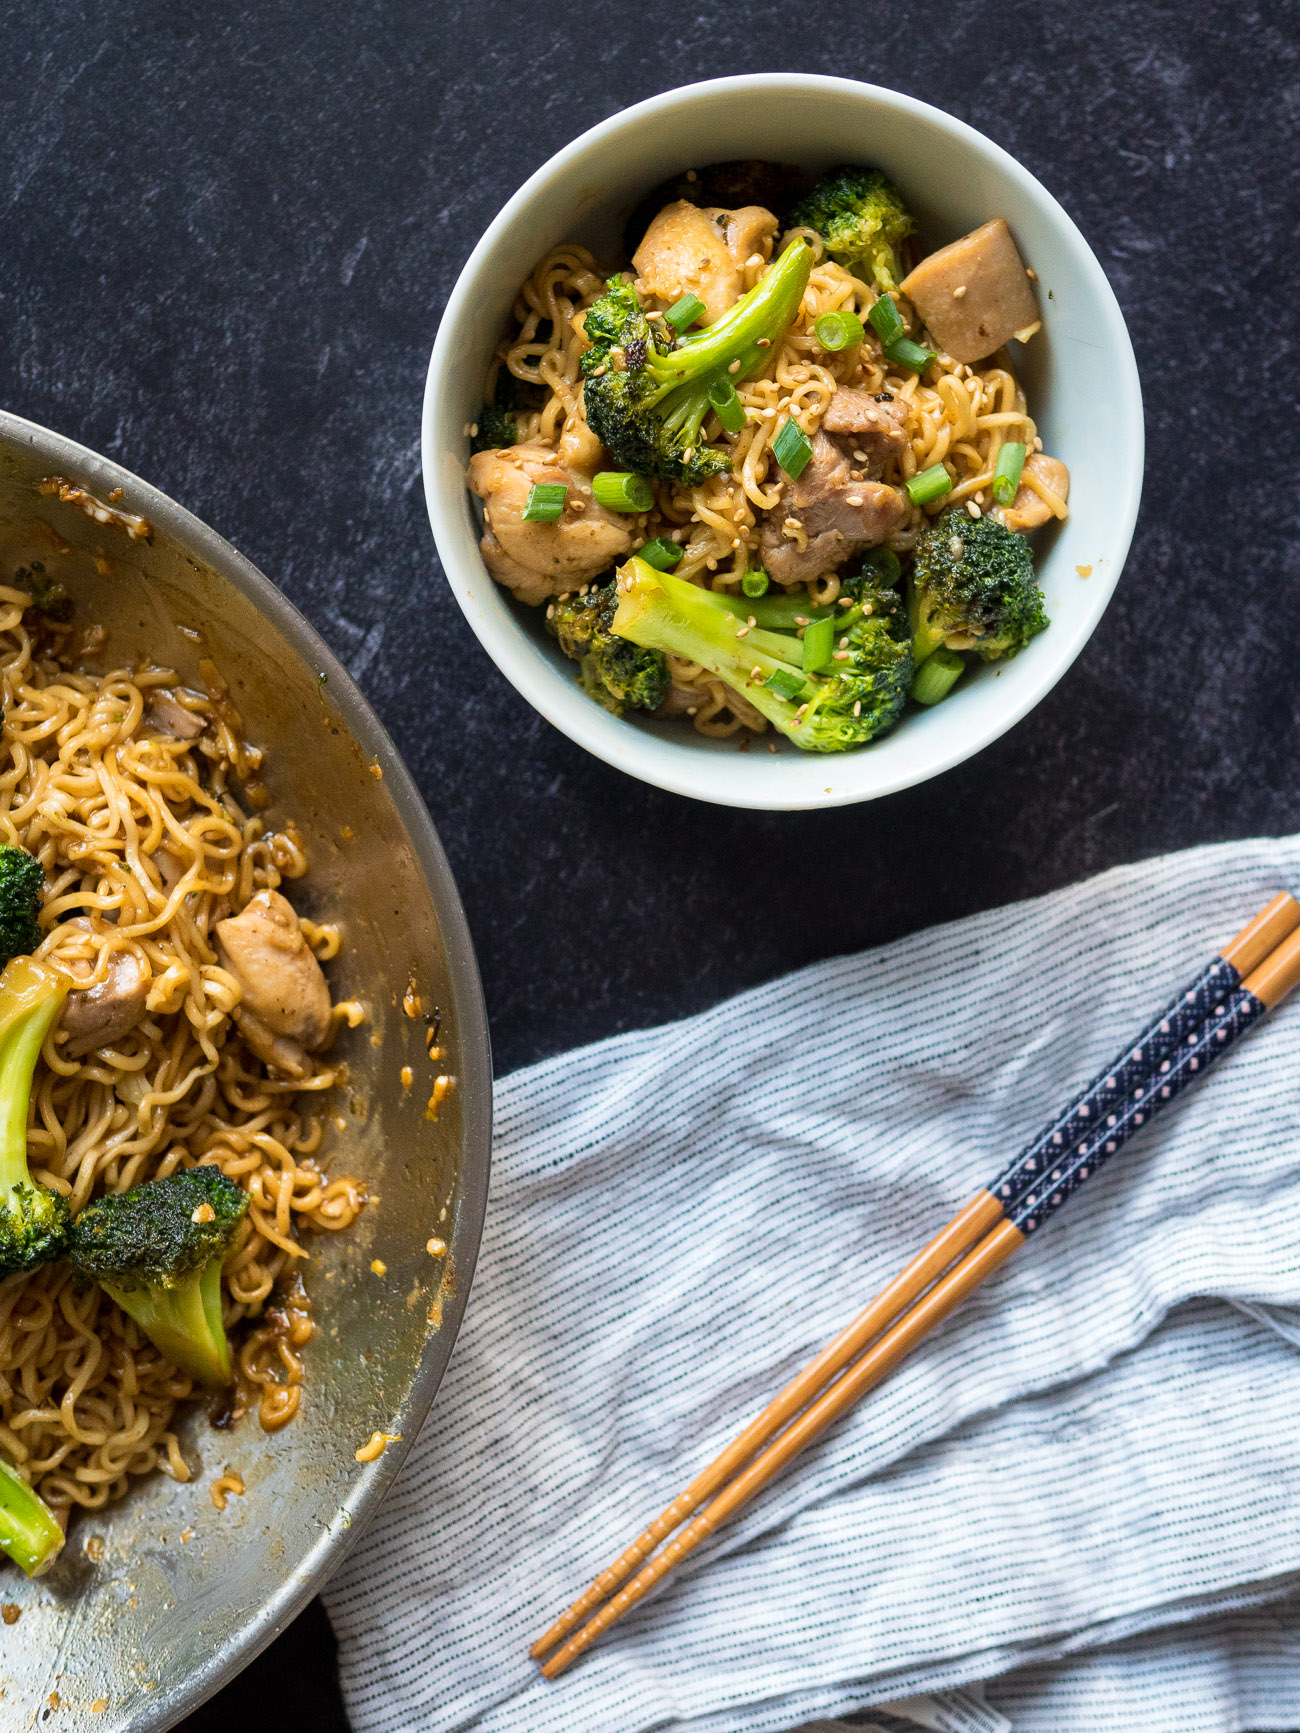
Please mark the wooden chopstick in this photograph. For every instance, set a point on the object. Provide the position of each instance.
(1180, 1045)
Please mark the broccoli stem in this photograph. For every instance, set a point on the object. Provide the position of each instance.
(765, 311)
(661, 612)
(31, 997)
(183, 1321)
(29, 1530)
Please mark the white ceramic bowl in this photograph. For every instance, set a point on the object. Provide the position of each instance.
(1079, 373)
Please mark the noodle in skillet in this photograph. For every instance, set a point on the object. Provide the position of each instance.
(123, 786)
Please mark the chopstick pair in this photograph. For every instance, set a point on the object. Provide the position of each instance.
(1231, 993)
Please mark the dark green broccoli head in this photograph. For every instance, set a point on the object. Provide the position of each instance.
(495, 428)
(158, 1233)
(860, 215)
(33, 1227)
(49, 598)
(881, 569)
(22, 881)
(619, 675)
(864, 694)
(157, 1250)
(647, 395)
(973, 588)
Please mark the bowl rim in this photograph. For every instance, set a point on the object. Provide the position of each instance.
(532, 674)
(263, 1624)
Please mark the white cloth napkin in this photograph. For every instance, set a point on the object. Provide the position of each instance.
(1084, 1488)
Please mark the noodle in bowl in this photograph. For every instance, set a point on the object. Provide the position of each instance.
(1074, 387)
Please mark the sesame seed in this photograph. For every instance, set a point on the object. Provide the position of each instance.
(1031, 273)
(743, 632)
(771, 746)
(751, 621)
(473, 429)
(756, 673)
(861, 456)
(691, 175)
(840, 656)
(679, 535)
(734, 366)
(599, 372)
(959, 291)
(692, 709)
(550, 612)
(844, 643)
(754, 259)
(577, 505)
(956, 547)
(763, 343)
(973, 509)
(465, 430)
(801, 619)
(857, 707)
(853, 499)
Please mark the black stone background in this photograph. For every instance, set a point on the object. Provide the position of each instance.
(226, 233)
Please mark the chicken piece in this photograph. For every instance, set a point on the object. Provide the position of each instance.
(689, 251)
(872, 422)
(282, 984)
(539, 560)
(1027, 511)
(277, 1051)
(579, 447)
(838, 516)
(95, 1017)
(975, 293)
(169, 716)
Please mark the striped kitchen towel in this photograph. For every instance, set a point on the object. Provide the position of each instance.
(1084, 1489)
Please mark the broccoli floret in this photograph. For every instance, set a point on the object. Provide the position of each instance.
(973, 588)
(158, 1250)
(857, 698)
(860, 215)
(647, 395)
(49, 598)
(497, 427)
(29, 1530)
(33, 1221)
(618, 675)
(22, 879)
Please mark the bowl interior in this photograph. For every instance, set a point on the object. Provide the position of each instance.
(159, 1621)
(1079, 374)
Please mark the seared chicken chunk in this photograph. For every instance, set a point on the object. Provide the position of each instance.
(975, 293)
(281, 981)
(1028, 511)
(95, 1017)
(538, 560)
(873, 423)
(826, 517)
(689, 251)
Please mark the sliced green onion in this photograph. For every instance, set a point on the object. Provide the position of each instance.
(818, 645)
(884, 566)
(792, 448)
(1006, 472)
(755, 583)
(620, 490)
(662, 554)
(545, 502)
(684, 312)
(937, 676)
(932, 483)
(909, 354)
(839, 330)
(885, 319)
(728, 406)
(784, 683)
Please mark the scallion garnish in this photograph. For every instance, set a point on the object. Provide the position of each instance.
(727, 406)
(818, 645)
(684, 312)
(662, 554)
(840, 330)
(545, 502)
(1006, 472)
(932, 483)
(620, 490)
(909, 354)
(885, 319)
(785, 684)
(792, 448)
(755, 583)
(937, 676)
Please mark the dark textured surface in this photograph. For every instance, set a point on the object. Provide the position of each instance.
(224, 241)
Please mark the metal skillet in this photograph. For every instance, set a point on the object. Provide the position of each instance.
(134, 1627)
